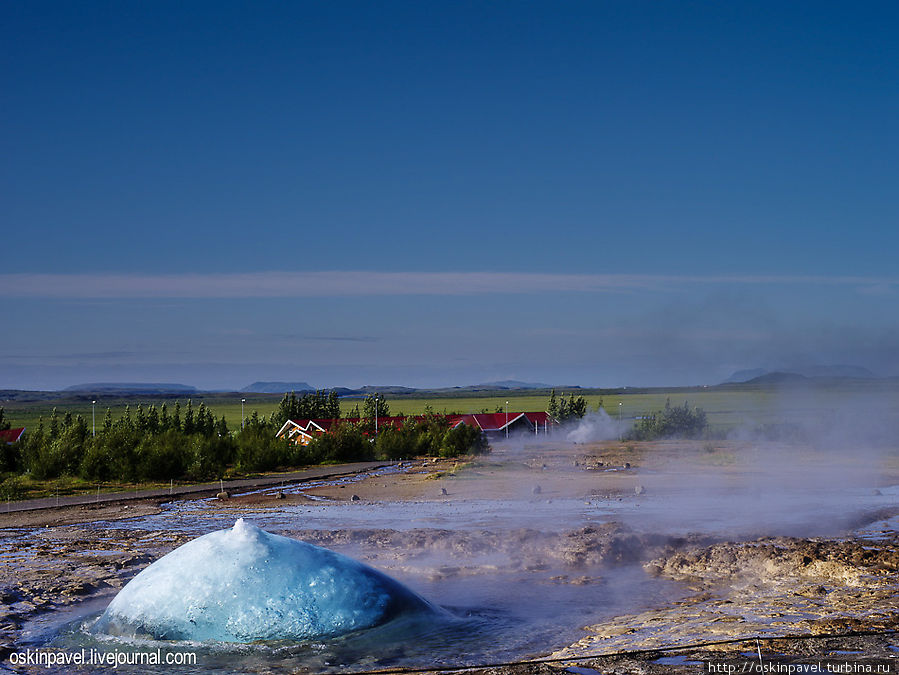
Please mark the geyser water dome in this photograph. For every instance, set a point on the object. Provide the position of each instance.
(244, 584)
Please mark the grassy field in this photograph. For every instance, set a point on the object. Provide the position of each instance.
(726, 407)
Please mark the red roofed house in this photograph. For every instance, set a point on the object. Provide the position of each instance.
(10, 436)
(501, 424)
(303, 431)
(492, 424)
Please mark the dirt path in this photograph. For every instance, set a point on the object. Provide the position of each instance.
(116, 505)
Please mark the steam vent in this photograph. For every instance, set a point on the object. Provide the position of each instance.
(244, 584)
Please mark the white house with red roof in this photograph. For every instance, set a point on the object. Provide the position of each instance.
(492, 424)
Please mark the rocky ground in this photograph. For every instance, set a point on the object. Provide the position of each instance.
(732, 589)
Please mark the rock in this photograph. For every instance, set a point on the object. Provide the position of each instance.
(627, 465)
(639, 490)
(222, 495)
(279, 495)
(78, 588)
(443, 491)
(354, 498)
(877, 493)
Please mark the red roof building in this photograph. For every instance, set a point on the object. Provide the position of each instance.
(11, 435)
(492, 424)
(303, 431)
(495, 424)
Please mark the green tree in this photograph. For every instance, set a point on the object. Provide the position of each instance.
(552, 408)
(343, 443)
(463, 440)
(153, 420)
(375, 405)
(570, 408)
(188, 425)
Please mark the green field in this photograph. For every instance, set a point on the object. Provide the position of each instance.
(726, 407)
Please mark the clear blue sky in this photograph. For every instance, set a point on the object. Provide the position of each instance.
(426, 193)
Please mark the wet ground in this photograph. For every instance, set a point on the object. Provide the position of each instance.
(541, 550)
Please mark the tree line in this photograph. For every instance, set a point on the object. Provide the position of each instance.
(187, 443)
(562, 409)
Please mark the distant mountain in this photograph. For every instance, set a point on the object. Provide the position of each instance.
(777, 378)
(386, 389)
(277, 387)
(836, 371)
(802, 372)
(745, 375)
(510, 384)
(131, 387)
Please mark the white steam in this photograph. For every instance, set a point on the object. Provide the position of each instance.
(594, 427)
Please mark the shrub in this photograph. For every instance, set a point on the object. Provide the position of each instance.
(344, 443)
(257, 449)
(161, 456)
(672, 422)
(207, 457)
(11, 456)
(12, 488)
(394, 443)
(462, 440)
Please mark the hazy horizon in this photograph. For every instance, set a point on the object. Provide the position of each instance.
(603, 194)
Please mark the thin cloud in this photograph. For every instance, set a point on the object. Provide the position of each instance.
(338, 338)
(361, 283)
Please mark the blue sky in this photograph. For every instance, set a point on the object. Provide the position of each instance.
(594, 193)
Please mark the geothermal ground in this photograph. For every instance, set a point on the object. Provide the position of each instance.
(543, 550)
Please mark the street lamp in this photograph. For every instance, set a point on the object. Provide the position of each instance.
(376, 415)
(242, 418)
(619, 420)
(93, 418)
(507, 419)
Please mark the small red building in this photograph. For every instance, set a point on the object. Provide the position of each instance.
(10, 436)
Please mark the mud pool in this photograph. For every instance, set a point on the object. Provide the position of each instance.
(531, 551)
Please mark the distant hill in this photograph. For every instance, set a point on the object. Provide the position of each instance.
(386, 389)
(511, 384)
(745, 375)
(762, 375)
(778, 378)
(131, 387)
(835, 371)
(276, 387)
